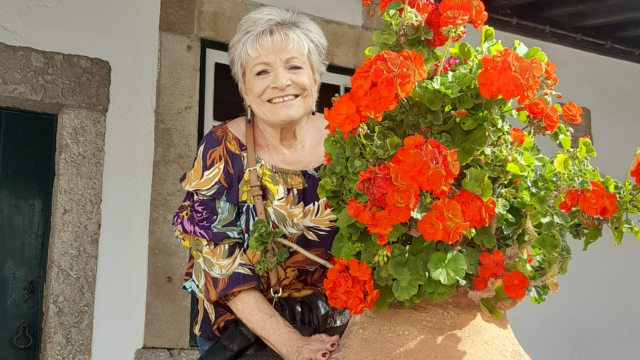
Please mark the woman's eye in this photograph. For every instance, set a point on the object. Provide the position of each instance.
(262, 72)
(295, 67)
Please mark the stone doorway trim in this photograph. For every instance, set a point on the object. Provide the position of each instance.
(76, 89)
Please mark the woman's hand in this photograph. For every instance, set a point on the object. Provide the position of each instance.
(316, 347)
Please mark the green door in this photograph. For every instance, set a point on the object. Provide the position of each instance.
(27, 148)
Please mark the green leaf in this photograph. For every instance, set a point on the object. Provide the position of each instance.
(547, 242)
(398, 230)
(382, 276)
(371, 50)
(282, 255)
(408, 274)
(520, 48)
(342, 247)
(609, 184)
(487, 36)
(435, 291)
(434, 99)
(477, 182)
(386, 296)
(562, 163)
(513, 168)
(593, 234)
(464, 102)
(447, 268)
(387, 37)
(472, 257)
(484, 236)
(468, 143)
(468, 122)
(585, 148)
(535, 52)
(344, 219)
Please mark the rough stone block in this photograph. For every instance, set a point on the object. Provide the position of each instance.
(165, 354)
(178, 16)
(45, 81)
(168, 306)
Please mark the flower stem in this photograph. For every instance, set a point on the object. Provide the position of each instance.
(304, 252)
(444, 54)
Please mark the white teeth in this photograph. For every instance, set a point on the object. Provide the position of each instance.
(281, 99)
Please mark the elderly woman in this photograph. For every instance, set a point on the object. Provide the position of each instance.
(277, 58)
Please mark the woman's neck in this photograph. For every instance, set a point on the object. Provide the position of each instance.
(280, 137)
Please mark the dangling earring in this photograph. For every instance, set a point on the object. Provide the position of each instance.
(248, 114)
(313, 110)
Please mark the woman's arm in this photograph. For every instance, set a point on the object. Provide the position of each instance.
(254, 310)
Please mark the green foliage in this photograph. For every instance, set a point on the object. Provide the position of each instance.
(447, 268)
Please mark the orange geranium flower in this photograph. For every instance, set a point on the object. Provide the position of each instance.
(494, 262)
(518, 136)
(444, 223)
(571, 113)
(509, 75)
(597, 202)
(570, 201)
(551, 119)
(515, 285)
(484, 274)
(433, 22)
(635, 170)
(349, 284)
(460, 12)
(476, 211)
(343, 115)
(537, 108)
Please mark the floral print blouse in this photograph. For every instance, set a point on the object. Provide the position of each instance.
(215, 218)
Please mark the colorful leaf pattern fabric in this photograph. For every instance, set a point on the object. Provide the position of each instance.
(215, 218)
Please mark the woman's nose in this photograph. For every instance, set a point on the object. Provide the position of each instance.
(281, 79)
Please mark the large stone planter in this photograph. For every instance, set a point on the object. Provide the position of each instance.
(454, 329)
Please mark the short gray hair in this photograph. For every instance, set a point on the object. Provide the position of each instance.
(259, 28)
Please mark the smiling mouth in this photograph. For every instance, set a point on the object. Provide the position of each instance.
(282, 99)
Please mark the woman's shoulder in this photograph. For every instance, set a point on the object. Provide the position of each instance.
(218, 163)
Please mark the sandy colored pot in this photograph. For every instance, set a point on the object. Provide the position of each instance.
(454, 329)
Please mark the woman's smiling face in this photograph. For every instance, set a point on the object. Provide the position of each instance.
(280, 86)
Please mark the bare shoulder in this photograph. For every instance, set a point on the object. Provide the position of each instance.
(237, 127)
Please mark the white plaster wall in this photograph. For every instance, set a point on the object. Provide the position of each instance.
(347, 11)
(124, 33)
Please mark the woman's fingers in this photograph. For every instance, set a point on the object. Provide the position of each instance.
(324, 355)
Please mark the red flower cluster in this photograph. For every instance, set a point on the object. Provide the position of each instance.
(518, 136)
(635, 170)
(515, 285)
(444, 223)
(376, 86)
(492, 268)
(571, 113)
(448, 64)
(454, 13)
(350, 285)
(510, 75)
(593, 202)
(393, 188)
(477, 212)
(449, 219)
(539, 109)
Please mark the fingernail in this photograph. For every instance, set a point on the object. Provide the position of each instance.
(334, 345)
(325, 355)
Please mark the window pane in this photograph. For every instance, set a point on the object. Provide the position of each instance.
(327, 91)
(227, 102)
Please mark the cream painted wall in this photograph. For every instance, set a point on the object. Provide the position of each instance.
(347, 11)
(124, 33)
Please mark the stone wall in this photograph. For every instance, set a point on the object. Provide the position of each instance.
(76, 88)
